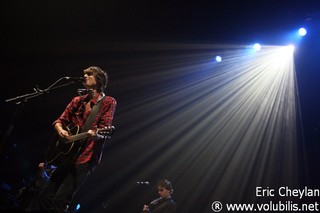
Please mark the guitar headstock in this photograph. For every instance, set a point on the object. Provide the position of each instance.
(107, 131)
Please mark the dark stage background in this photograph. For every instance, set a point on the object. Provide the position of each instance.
(133, 40)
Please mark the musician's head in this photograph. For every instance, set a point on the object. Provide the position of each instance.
(164, 188)
(99, 80)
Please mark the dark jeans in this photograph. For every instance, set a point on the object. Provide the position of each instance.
(63, 184)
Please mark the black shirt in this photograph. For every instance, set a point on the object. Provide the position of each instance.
(163, 206)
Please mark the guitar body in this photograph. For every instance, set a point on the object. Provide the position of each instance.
(64, 151)
(60, 150)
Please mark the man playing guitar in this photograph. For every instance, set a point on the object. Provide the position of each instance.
(90, 113)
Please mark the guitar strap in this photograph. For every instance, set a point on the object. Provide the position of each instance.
(92, 115)
(88, 124)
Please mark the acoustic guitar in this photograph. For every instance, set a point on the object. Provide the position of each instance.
(60, 149)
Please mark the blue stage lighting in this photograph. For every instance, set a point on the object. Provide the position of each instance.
(302, 31)
(218, 58)
(257, 46)
(77, 207)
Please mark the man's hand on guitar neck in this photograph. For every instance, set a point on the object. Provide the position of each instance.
(91, 133)
(95, 132)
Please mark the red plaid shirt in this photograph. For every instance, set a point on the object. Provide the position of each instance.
(76, 114)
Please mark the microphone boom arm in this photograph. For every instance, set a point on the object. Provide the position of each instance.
(38, 92)
(20, 101)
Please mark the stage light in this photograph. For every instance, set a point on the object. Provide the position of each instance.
(257, 46)
(302, 31)
(218, 58)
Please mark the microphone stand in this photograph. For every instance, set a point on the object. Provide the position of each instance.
(20, 102)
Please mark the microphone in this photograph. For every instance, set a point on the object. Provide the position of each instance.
(81, 79)
(143, 183)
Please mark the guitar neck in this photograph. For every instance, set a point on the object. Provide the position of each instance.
(79, 136)
(84, 135)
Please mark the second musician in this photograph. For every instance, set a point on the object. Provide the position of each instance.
(165, 203)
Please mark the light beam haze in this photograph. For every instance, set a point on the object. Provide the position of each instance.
(217, 130)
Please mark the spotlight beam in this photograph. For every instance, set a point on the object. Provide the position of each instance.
(214, 127)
